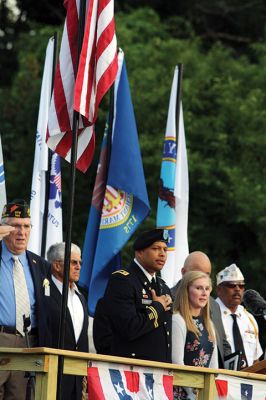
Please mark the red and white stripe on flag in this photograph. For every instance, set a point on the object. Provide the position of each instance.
(98, 62)
(60, 120)
(108, 381)
(232, 388)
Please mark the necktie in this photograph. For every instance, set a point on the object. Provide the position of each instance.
(154, 285)
(239, 347)
(21, 294)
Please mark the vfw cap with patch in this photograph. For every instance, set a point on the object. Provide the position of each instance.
(16, 209)
(229, 274)
(147, 238)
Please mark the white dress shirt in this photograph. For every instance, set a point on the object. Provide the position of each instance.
(248, 328)
(74, 305)
(146, 273)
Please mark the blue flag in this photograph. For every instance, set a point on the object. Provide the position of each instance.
(120, 201)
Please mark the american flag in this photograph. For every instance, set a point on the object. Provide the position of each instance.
(60, 121)
(98, 63)
(118, 382)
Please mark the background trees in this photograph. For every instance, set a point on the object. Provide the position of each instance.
(221, 47)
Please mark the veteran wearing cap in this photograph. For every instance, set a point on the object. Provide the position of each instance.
(240, 326)
(138, 302)
(24, 278)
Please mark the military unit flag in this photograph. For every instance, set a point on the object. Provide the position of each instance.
(40, 168)
(172, 212)
(120, 201)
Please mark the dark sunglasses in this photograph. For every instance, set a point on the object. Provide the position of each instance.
(234, 285)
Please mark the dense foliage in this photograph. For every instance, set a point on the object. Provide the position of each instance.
(224, 105)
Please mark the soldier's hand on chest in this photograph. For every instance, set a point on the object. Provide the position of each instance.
(164, 299)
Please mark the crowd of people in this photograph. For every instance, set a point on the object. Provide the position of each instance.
(139, 316)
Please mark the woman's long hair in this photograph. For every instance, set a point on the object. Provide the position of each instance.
(181, 303)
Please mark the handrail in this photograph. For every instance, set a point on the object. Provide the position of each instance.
(44, 362)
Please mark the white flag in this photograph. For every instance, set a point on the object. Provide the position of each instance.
(38, 188)
(2, 180)
(172, 213)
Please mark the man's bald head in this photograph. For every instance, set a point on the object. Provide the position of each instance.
(197, 261)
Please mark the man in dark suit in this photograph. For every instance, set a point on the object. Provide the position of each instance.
(138, 303)
(76, 327)
(101, 329)
(199, 261)
(36, 274)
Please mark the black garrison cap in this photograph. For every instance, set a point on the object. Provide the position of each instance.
(16, 209)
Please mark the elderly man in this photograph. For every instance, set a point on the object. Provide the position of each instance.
(76, 327)
(199, 261)
(23, 279)
(138, 302)
(240, 326)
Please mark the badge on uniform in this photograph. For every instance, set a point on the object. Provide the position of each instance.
(144, 294)
(146, 301)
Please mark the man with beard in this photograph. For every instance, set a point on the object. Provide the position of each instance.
(240, 326)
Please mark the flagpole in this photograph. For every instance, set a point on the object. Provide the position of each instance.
(47, 180)
(61, 340)
(178, 94)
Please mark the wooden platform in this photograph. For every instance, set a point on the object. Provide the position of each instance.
(44, 362)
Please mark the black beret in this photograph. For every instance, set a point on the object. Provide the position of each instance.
(16, 209)
(147, 238)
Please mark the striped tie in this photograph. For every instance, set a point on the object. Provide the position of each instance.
(21, 294)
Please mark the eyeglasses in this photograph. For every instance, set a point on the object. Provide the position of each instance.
(72, 262)
(75, 262)
(234, 285)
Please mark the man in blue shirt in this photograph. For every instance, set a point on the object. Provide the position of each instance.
(36, 272)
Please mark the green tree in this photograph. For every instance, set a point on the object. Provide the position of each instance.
(224, 112)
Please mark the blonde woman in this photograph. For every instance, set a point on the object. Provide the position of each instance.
(193, 337)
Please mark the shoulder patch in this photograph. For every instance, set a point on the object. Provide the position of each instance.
(121, 271)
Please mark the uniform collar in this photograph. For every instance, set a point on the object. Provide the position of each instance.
(226, 311)
(146, 273)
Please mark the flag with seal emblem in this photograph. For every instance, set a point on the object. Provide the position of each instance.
(172, 211)
(120, 202)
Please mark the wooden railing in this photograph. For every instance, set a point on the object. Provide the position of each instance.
(44, 362)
